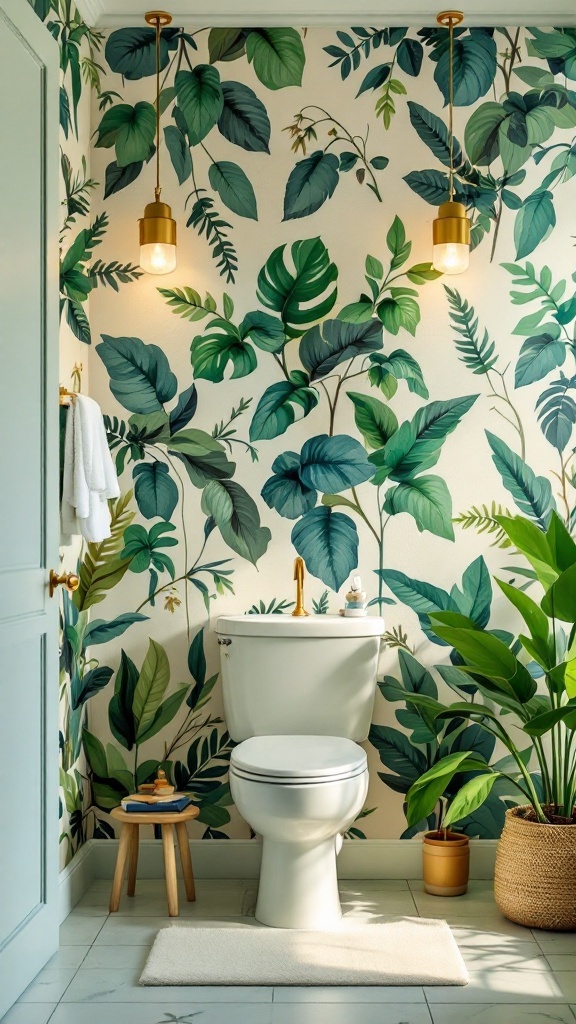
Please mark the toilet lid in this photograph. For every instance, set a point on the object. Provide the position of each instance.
(313, 758)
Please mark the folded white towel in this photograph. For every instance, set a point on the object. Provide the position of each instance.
(89, 473)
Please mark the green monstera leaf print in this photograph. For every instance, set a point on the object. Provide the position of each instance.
(303, 293)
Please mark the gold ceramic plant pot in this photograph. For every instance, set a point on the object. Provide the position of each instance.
(535, 876)
(446, 863)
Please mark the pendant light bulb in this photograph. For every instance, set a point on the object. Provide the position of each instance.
(157, 226)
(451, 228)
(451, 237)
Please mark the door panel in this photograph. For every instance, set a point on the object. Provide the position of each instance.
(21, 704)
(28, 496)
(22, 302)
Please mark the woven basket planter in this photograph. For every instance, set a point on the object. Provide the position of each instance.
(535, 877)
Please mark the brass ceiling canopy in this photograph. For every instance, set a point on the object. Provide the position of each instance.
(450, 18)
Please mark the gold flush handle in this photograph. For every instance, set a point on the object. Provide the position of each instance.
(299, 577)
(69, 580)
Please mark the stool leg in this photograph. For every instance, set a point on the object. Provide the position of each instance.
(123, 850)
(170, 869)
(133, 861)
(182, 833)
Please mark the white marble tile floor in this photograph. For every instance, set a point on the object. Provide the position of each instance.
(517, 976)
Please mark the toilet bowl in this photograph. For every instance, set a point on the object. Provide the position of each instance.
(300, 793)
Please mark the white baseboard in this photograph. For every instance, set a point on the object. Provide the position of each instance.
(75, 878)
(240, 858)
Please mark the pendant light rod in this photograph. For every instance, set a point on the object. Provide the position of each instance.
(451, 228)
(158, 20)
(449, 19)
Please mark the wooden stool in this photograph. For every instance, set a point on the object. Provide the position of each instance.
(128, 853)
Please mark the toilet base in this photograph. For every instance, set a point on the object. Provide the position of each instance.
(299, 885)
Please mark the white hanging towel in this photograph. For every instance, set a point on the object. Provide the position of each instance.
(89, 473)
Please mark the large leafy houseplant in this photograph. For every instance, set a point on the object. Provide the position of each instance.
(527, 688)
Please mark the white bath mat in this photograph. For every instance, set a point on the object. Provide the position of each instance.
(405, 951)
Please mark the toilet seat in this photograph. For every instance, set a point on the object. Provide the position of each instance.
(298, 760)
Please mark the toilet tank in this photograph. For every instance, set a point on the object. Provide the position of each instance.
(298, 676)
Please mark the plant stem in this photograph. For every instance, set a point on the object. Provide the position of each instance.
(351, 139)
(281, 364)
(330, 406)
(500, 733)
(563, 475)
(506, 398)
(497, 227)
(363, 515)
(543, 765)
(178, 579)
(508, 65)
(380, 548)
(185, 731)
(185, 536)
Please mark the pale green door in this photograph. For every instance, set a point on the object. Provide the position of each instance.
(28, 496)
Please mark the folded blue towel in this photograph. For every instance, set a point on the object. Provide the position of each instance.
(168, 806)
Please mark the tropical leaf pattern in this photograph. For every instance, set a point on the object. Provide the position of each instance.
(304, 382)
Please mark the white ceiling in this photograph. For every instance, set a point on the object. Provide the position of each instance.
(103, 13)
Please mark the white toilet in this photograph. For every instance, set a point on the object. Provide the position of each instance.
(298, 696)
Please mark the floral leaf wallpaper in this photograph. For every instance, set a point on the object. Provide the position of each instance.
(305, 382)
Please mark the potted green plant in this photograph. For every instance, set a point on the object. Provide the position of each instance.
(445, 852)
(532, 696)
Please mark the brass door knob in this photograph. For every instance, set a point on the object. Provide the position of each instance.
(69, 580)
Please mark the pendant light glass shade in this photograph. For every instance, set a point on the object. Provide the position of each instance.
(451, 229)
(157, 226)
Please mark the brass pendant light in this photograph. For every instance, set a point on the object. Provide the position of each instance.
(451, 229)
(157, 227)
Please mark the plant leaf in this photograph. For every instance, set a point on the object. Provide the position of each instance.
(472, 794)
(151, 686)
(277, 55)
(474, 67)
(427, 500)
(234, 188)
(130, 130)
(131, 52)
(534, 221)
(327, 345)
(211, 352)
(301, 296)
(155, 491)
(281, 405)
(333, 464)
(244, 119)
(177, 146)
(285, 491)
(532, 494)
(312, 181)
(140, 375)
(328, 543)
(236, 516)
(200, 98)
(375, 420)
